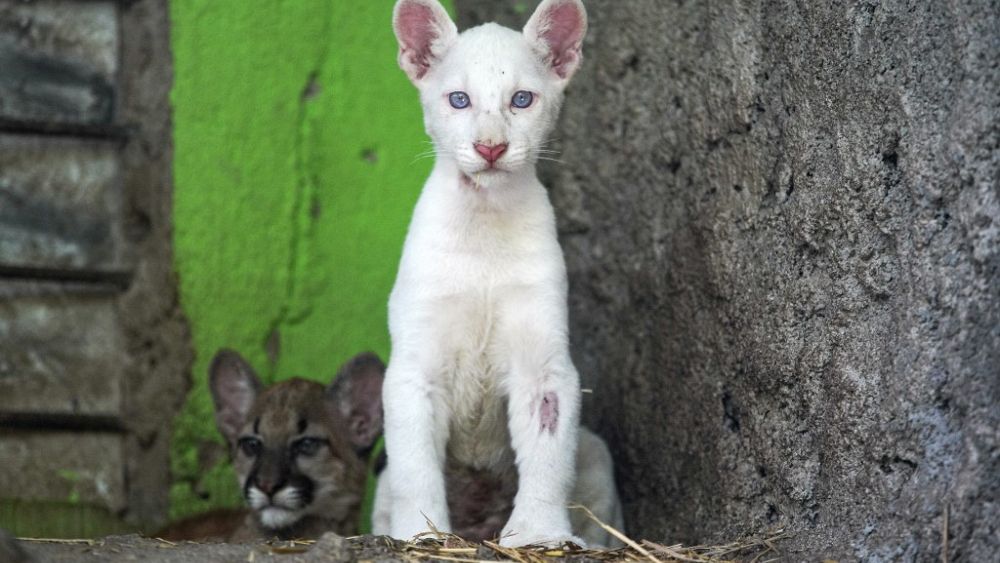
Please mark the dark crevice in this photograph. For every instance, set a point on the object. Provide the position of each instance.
(65, 422)
(772, 514)
(730, 417)
(118, 280)
(886, 463)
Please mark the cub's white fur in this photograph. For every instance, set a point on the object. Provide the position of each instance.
(480, 373)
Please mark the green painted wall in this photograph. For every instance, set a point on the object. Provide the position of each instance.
(295, 137)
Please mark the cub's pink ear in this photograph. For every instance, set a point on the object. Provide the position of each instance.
(424, 32)
(556, 31)
(234, 387)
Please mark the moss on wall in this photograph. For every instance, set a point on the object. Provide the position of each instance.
(40, 519)
(295, 141)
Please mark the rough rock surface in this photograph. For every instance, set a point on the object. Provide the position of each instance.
(782, 223)
(156, 331)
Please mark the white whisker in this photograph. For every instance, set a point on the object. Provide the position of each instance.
(433, 152)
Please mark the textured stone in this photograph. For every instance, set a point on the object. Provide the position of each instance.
(59, 60)
(11, 551)
(60, 204)
(61, 350)
(782, 225)
(157, 338)
(63, 467)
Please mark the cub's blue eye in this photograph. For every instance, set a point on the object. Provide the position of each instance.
(250, 446)
(307, 446)
(459, 100)
(522, 99)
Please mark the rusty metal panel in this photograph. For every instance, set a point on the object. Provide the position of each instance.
(58, 61)
(61, 349)
(60, 203)
(63, 466)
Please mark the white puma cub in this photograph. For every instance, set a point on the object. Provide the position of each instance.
(480, 386)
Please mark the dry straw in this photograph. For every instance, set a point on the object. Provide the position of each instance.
(435, 545)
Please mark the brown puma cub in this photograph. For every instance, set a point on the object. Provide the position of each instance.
(299, 449)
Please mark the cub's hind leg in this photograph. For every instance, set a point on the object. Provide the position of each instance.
(595, 489)
(381, 510)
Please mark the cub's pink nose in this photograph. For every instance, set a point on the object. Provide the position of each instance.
(266, 487)
(491, 153)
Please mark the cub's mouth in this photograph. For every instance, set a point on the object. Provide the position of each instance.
(280, 510)
(483, 178)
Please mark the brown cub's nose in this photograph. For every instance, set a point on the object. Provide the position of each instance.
(266, 486)
(491, 153)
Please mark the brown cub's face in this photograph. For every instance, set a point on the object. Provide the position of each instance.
(297, 446)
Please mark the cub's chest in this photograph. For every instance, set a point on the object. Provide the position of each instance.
(471, 381)
(481, 251)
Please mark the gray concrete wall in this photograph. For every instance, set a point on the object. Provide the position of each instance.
(782, 223)
(94, 349)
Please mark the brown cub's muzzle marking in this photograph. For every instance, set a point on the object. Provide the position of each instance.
(295, 452)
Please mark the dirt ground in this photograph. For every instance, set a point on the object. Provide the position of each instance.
(334, 548)
(329, 548)
(135, 548)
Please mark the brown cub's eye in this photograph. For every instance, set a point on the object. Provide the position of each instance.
(249, 446)
(306, 446)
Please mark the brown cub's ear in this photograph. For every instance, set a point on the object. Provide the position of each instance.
(356, 394)
(234, 387)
